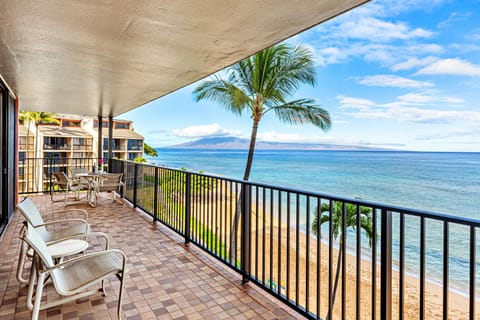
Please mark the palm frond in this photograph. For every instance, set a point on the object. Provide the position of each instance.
(224, 93)
(302, 111)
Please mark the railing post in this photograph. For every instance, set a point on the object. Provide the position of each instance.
(155, 196)
(188, 188)
(135, 185)
(386, 266)
(51, 171)
(245, 232)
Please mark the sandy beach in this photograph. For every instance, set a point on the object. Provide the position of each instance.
(270, 243)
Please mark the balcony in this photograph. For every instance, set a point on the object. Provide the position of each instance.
(399, 270)
(166, 278)
(55, 147)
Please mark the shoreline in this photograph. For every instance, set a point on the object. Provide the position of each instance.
(276, 245)
(458, 306)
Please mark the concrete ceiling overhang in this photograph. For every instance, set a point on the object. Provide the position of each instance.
(105, 57)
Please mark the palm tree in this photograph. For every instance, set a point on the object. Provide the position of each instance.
(37, 118)
(366, 223)
(261, 84)
(149, 151)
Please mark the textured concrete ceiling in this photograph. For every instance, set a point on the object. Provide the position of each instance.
(108, 57)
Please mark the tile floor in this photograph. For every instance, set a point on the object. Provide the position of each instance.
(166, 279)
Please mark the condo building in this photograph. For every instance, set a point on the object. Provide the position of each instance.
(52, 147)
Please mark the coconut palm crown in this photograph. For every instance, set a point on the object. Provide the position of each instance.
(263, 83)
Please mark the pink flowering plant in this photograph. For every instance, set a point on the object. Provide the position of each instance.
(100, 163)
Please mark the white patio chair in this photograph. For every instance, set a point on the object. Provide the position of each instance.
(67, 185)
(74, 172)
(72, 277)
(111, 182)
(30, 212)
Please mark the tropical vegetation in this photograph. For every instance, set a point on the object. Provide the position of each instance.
(149, 151)
(37, 118)
(263, 84)
(352, 212)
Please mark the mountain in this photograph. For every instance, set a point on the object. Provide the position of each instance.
(239, 143)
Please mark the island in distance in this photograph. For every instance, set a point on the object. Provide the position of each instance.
(240, 143)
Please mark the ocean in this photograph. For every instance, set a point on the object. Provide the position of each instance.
(433, 181)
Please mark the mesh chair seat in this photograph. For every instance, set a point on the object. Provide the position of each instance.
(76, 276)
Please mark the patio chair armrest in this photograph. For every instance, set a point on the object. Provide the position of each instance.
(102, 235)
(85, 212)
(61, 221)
(76, 236)
(87, 256)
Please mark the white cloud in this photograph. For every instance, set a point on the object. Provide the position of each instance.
(386, 80)
(453, 133)
(355, 103)
(454, 18)
(451, 67)
(414, 63)
(405, 109)
(273, 136)
(374, 33)
(417, 115)
(377, 30)
(207, 130)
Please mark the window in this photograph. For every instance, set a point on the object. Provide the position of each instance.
(121, 125)
(55, 143)
(136, 144)
(21, 156)
(81, 143)
(104, 124)
(133, 155)
(71, 123)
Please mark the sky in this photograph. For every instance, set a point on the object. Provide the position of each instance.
(398, 74)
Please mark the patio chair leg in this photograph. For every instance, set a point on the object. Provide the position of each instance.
(38, 297)
(120, 295)
(104, 293)
(21, 263)
(31, 287)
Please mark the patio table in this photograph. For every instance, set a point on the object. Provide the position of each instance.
(94, 180)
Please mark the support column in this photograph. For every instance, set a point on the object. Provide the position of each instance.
(110, 142)
(100, 138)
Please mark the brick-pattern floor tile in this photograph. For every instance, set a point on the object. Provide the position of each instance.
(165, 280)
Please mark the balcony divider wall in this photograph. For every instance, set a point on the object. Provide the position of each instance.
(8, 134)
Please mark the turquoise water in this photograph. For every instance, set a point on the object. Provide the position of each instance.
(440, 182)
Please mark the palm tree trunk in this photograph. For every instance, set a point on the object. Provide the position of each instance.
(246, 175)
(337, 276)
(251, 149)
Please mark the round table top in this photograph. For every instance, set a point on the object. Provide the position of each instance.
(67, 247)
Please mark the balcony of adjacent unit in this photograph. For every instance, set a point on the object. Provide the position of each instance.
(135, 145)
(25, 140)
(56, 143)
(56, 138)
(82, 144)
(118, 144)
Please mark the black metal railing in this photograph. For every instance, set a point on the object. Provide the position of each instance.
(393, 262)
(35, 174)
(311, 251)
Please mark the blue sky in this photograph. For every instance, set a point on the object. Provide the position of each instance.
(401, 74)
